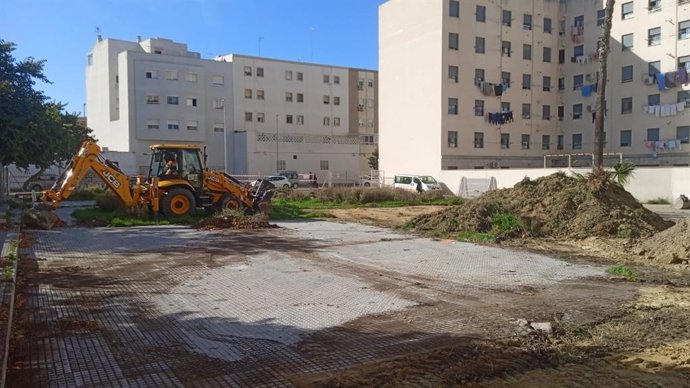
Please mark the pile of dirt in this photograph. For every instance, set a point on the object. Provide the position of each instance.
(257, 221)
(41, 219)
(553, 206)
(671, 245)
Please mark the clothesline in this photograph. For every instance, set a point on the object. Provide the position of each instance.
(664, 110)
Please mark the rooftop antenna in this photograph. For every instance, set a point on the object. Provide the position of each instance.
(98, 34)
(138, 38)
(311, 43)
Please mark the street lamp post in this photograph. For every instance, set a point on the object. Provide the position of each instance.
(277, 159)
(225, 139)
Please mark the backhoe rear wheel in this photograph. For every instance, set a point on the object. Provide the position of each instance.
(231, 203)
(177, 202)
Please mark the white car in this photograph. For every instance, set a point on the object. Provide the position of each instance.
(365, 181)
(277, 181)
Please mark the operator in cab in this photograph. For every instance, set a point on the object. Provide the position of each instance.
(170, 168)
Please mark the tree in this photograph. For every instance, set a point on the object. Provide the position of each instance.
(600, 112)
(373, 160)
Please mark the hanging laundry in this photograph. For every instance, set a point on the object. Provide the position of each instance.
(682, 76)
(670, 79)
(586, 90)
(680, 106)
(505, 86)
(498, 90)
(487, 88)
(661, 81)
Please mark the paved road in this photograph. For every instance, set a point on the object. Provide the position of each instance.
(172, 306)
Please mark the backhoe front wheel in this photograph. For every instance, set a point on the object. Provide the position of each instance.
(231, 203)
(177, 202)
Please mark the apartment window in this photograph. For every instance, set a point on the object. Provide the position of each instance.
(191, 101)
(192, 125)
(507, 18)
(505, 48)
(370, 83)
(452, 139)
(326, 79)
(336, 121)
(454, 9)
(370, 123)
(173, 124)
(248, 116)
(654, 36)
(577, 111)
(481, 13)
(527, 81)
(626, 138)
(561, 83)
(559, 142)
(300, 120)
(683, 133)
(654, 5)
(260, 117)
(684, 62)
(601, 17)
(652, 134)
(546, 84)
(288, 75)
(478, 107)
(684, 30)
(505, 107)
(218, 80)
(577, 81)
(561, 56)
(288, 96)
(453, 73)
(627, 73)
(654, 67)
(218, 128)
(153, 74)
(152, 99)
(336, 80)
(524, 141)
(173, 100)
(505, 141)
(505, 77)
(453, 41)
(259, 94)
(248, 93)
(561, 112)
(300, 97)
(479, 140)
(248, 71)
(547, 25)
(479, 45)
(259, 71)
(89, 59)
(452, 106)
(152, 124)
(527, 52)
(336, 100)
(626, 105)
(545, 142)
(526, 111)
(627, 42)
(627, 10)
(327, 121)
(300, 76)
(478, 76)
(192, 77)
(288, 119)
(578, 50)
(527, 22)
(171, 75)
(547, 54)
(546, 112)
(218, 103)
(326, 100)
(684, 96)
(579, 21)
(577, 141)
(654, 99)
(323, 165)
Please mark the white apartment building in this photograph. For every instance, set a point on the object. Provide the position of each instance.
(502, 83)
(254, 115)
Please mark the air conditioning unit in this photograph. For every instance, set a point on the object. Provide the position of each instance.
(589, 77)
(589, 108)
(648, 79)
(525, 116)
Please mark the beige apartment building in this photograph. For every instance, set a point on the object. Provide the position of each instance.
(511, 83)
(255, 115)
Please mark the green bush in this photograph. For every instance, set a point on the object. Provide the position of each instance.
(658, 201)
(108, 201)
(504, 224)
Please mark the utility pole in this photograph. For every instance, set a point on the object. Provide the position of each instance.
(225, 138)
(277, 159)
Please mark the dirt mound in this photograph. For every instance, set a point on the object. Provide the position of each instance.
(671, 245)
(257, 221)
(41, 219)
(553, 206)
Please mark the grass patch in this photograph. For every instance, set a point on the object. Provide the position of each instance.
(658, 201)
(623, 270)
(504, 224)
(118, 218)
(474, 236)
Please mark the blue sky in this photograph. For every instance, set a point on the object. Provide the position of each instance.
(335, 32)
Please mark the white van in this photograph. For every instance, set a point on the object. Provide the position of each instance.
(410, 182)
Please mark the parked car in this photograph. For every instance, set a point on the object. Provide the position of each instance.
(364, 181)
(277, 181)
(40, 182)
(292, 176)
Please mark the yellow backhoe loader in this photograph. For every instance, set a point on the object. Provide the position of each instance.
(177, 183)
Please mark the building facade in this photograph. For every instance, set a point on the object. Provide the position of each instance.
(255, 115)
(510, 83)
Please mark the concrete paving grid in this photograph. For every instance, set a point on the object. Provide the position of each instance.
(245, 321)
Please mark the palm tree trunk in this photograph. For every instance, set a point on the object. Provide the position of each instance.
(600, 111)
